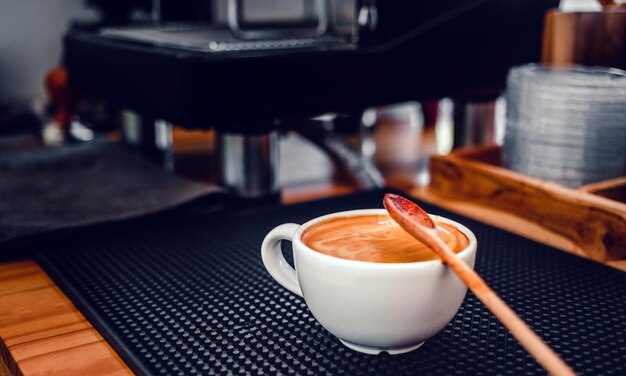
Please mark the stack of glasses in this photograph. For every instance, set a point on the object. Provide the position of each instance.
(566, 125)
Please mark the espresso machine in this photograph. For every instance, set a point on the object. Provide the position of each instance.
(246, 68)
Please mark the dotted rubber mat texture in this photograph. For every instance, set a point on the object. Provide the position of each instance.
(191, 296)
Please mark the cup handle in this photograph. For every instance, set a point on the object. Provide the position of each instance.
(273, 258)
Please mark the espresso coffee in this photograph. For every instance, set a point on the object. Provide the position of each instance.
(376, 238)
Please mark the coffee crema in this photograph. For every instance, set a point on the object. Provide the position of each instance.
(376, 238)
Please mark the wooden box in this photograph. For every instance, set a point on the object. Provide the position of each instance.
(595, 223)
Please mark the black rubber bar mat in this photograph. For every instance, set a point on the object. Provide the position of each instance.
(193, 297)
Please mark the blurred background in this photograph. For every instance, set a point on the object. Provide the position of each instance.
(31, 33)
(269, 99)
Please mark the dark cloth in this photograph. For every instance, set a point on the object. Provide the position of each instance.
(44, 189)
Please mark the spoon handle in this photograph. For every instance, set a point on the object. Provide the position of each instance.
(416, 222)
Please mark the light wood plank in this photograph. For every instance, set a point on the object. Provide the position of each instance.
(42, 332)
(81, 352)
(35, 314)
(22, 276)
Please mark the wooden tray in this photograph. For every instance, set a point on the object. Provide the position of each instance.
(595, 223)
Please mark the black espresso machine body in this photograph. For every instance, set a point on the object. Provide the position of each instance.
(418, 50)
(212, 76)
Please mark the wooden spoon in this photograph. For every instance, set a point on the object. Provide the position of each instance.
(416, 222)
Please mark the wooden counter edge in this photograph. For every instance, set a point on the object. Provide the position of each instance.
(42, 332)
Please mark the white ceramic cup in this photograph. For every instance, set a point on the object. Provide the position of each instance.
(371, 307)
